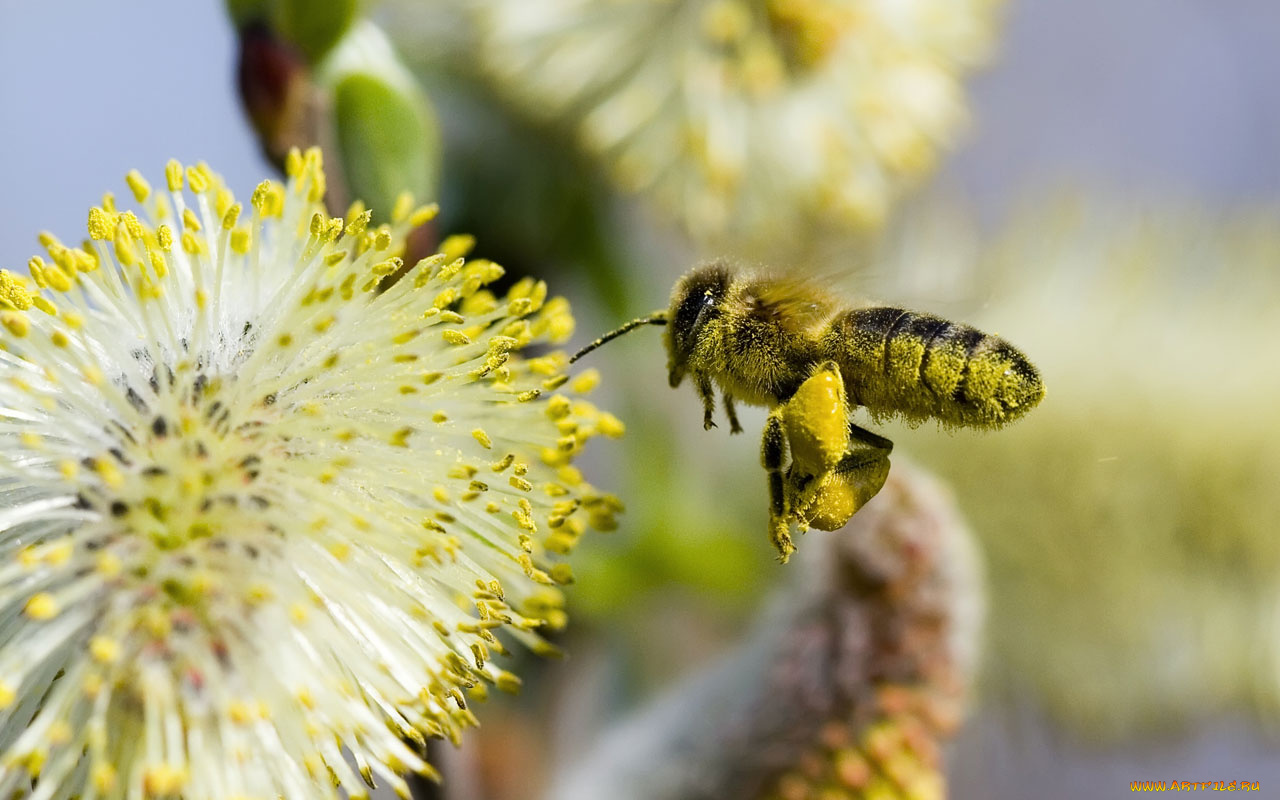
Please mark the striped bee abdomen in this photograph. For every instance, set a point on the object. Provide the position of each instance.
(918, 366)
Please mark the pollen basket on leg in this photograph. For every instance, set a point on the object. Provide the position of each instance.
(260, 503)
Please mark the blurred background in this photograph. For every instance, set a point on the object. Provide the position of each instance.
(1098, 181)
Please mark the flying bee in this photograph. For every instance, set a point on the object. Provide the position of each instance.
(800, 351)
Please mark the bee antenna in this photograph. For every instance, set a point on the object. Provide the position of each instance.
(656, 318)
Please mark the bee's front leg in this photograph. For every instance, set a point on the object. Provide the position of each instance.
(773, 452)
(732, 414)
(705, 391)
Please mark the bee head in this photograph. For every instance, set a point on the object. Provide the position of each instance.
(694, 303)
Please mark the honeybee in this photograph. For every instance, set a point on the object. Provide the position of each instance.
(795, 348)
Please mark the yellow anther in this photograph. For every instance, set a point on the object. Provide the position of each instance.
(16, 323)
(84, 261)
(560, 327)
(164, 237)
(387, 267)
(126, 253)
(240, 241)
(258, 593)
(54, 277)
(13, 292)
(7, 695)
(101, 224)
(423, 214)
(109, 473)
(162, 780)
(357, 221)
(223, 200)
(108, 565)
(445, 298)
(132, 224)
(521, 288)
(317, 189)
(503, 344)
(263, 198)
(610, 426)
(317, 224)
(482, 438)
(104, 650)
(42, 606)
(190, 222)
(455, 337)
(457, 246)
(103, 777)
(562, 574)
(402, 207)
(173, 175)
(138, 185)
(521, 483)
(558, 407)
(293, 163)
(198, 179)
(156, 258)
(230, 217)
(585, 382)
(239, 712)
(191, 245)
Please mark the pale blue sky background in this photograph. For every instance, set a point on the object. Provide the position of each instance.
(1152, 96)
(90, 89)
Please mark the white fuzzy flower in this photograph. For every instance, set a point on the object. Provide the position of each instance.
(254, 510)
(748, 117)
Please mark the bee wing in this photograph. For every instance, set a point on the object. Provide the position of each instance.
(792, 300)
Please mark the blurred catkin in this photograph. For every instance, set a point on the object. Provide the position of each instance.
(750, 123)
(1129, 525)
(848, 688)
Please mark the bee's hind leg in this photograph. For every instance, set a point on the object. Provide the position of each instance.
(732, 414)
(707, 393)
(872, 440)
(773, 452)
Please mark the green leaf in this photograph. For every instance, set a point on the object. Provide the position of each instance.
(387, 139)
(313, 26)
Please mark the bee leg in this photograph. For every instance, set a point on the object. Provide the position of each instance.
(773, 451)
(870, 439)
(705, 391)
(773, 444)
(779, 521)
(856, 479)
(732, 414)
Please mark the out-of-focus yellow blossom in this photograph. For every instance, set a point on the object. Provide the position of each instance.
(260, 510)
(1130, 525)
(748, 119)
